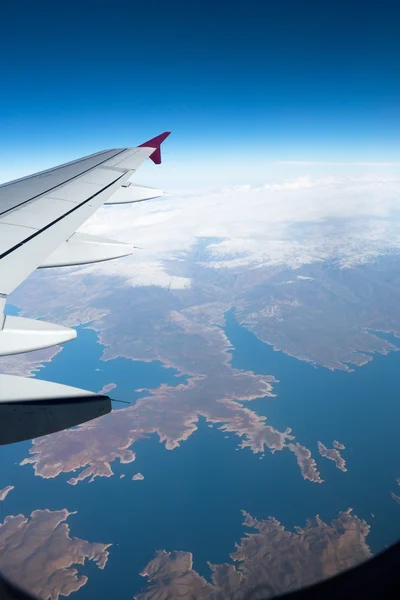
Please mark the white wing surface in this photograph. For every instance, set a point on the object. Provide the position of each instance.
(39, 216)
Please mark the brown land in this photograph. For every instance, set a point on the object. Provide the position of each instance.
(338, 445)
(272, 558)
(333, 454)
(395, 497)
(171, 413)
(307, 464)
(5, 491)
(317, 320)
(29, 364)
(193, 342)
(38, 554)
(107, 388)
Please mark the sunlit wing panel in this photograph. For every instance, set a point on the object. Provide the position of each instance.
(41, 213)
(16, 193)
(37, 228)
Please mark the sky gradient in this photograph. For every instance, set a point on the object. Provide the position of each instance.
(246, 82)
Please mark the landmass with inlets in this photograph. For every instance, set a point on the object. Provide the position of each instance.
(270, 559)
(333, 454)
(183, 329)
(319, 320)
(39, 555)
(172, 413)
(316, 318)
(193, 342)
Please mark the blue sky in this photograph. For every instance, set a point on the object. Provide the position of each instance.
(285, 80)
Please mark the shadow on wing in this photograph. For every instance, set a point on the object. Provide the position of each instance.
(25, 420)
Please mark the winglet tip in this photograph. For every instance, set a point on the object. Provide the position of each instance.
(156, 143)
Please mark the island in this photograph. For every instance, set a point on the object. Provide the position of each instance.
(138, 477)
(270, 559)
(107, 388)
(5, 491)
(338, 445)
(38, 553)
(307, 464)
(394, 496)
(333, 454)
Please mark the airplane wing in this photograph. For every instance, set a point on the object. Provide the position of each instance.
(39, 216)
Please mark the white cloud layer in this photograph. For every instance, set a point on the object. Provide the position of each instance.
(288, 223)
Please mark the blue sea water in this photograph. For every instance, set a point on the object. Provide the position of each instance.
(191, 498)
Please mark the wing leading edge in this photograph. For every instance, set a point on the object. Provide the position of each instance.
(39, 216)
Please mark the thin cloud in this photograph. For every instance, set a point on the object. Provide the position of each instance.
(286, 223)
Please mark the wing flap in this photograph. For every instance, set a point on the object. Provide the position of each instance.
(25, 335)
(19, 389)
(82, 249)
